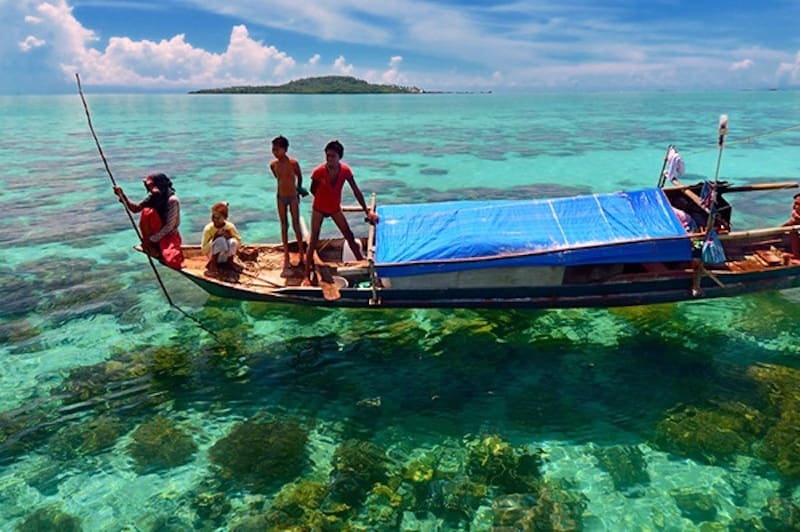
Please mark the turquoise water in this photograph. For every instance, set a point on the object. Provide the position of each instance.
(119, 412)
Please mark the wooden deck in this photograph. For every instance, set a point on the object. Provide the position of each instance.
(263, 267)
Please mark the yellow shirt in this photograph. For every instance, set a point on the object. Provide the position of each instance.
(211, 229)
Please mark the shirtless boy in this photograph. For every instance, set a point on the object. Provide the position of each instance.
(290, 183)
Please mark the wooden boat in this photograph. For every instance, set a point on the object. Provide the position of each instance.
(601, 250)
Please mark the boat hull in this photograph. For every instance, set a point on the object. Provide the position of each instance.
(666, 267)
(674, 288)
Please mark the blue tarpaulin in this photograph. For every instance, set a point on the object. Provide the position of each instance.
(621, 227)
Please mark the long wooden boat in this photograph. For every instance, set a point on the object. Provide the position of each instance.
(600, 250)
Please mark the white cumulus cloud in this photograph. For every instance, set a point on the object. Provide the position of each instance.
(171, 62)
(341, 67)
(30, 43)
(393, 75)
(742, 65)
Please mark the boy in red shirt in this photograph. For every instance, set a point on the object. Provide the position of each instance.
(327, 182)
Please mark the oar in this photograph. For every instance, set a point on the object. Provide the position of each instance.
(330, 290)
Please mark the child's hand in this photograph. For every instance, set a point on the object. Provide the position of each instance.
(372, 217)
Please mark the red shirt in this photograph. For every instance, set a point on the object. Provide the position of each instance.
(327, 195)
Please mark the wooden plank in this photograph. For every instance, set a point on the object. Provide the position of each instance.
(330, 290)
(733, 235)
(742, 188)
(769, 257)
(695, 198)
(761, 186)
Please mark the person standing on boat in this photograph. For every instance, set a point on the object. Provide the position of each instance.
(221, 241)
(160, 218)
(327, 181)
(290, 187)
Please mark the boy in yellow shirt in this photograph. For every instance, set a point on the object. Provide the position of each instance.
(220, 241)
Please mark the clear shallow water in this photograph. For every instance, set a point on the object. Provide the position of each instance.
(91, 356)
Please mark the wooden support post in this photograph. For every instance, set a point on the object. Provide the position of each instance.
(373, 274)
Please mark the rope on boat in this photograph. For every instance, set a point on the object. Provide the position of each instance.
(745, 140)
(751, 138)
(130, 215)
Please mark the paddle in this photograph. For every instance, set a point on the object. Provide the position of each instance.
(330, 290)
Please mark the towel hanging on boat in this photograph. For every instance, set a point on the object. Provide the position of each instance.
(675, 166)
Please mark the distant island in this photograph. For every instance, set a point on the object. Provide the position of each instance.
(317, 85)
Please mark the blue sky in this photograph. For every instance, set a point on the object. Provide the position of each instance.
(180, 45)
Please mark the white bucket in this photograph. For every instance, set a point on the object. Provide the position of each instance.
(347, 253)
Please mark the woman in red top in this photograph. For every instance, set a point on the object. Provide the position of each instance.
(327, 181)
(161, 216)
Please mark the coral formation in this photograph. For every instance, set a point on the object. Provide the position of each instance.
(159, 444)
(50, 519)
(695, 505)
(357, 466)
(552, 506)
(88, 437)
(625, 464)
(709, 434)
(260, 454)
(492, 461)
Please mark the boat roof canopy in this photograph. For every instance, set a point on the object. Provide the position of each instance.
(620, 227)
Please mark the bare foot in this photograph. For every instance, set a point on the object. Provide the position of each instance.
(306, 282)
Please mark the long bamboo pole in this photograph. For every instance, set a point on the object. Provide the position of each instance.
(130, 215)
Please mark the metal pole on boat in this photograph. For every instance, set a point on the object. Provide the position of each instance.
(661, 177)
(712, 250)
(723, 130)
